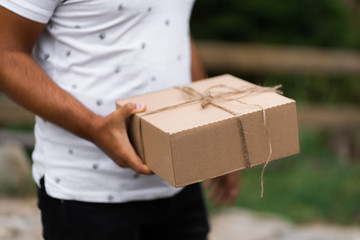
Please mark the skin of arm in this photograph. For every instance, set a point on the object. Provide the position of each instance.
(223, 189)
(28, 85)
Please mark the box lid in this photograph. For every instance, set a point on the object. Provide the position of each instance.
(177, 118)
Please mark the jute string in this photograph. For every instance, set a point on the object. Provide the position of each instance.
(208, 98)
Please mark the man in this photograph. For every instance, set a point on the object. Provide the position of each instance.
(92, 184)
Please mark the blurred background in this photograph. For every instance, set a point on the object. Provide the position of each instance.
(310, 47)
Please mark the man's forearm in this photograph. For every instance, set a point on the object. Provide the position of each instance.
(27, 84)
(197, 68)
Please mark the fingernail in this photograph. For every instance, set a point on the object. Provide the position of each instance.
(140, 106)
(147, 169)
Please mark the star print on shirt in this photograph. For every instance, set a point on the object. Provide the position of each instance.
(102, 36)
(99, 102)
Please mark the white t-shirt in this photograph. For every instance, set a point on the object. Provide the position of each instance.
(100, 51)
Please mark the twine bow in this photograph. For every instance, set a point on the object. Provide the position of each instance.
(210, 98)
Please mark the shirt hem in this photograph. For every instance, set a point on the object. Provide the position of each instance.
(111, 197)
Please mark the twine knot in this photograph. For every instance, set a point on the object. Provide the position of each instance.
(206, 100)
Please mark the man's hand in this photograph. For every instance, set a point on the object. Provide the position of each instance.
(111, 136)
(224, 189)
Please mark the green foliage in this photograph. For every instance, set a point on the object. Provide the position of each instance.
(325, 23)
(315, 88)
(18, 127)
(306, 22)
(25, 189)
(309, 89)
(312, 186)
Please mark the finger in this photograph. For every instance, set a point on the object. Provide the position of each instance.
(128, 153)
(227, 195)
(208, 184)
(133, 160)
(216, 189)
(222, 197)
(130, 108)
(138, 166)
(231, 197)
(233, 192)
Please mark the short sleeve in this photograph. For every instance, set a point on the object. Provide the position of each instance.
(36, 10)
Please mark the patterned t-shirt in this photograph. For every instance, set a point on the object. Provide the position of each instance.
(100, 51)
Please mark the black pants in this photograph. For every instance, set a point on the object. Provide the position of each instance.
(182, 217)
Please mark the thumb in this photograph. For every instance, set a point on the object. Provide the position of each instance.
(131, 108)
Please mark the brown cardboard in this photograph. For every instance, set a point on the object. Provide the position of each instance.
(188, 143)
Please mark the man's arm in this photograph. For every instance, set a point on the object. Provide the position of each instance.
(27, 84)
(223, 189)
(197, 68)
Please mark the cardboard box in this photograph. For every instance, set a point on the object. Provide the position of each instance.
(243, 125)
